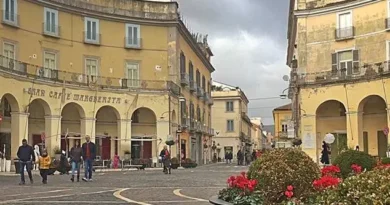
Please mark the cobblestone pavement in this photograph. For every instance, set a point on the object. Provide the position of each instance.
(189, 186)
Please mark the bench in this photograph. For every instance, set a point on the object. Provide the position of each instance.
(138, 167)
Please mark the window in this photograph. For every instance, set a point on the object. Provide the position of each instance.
(344, 28)
(191, 71)
(92, 69)
(203, 83)
(230, 125)
(50, 24)
(284, 126)
(229, 106)
(9, 54)
(49, 64)
(10, 8)
(345, 63)
(182, 63)
(91, 33)
(132, 74)
(133, 34)
(198, 78)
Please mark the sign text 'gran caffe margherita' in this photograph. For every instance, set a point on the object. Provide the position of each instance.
(66, 96)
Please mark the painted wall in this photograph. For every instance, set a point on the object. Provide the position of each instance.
(279, 117)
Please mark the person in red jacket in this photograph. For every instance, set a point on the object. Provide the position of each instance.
(89, 154)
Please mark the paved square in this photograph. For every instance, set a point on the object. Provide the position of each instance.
(189, 186)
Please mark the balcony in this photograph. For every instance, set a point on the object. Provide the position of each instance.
(198, 127)
(185, 122)
(185, 79)
(51, 30)
(200, 93)
(10, 18)
(344, 33)
(192, 125)
(135, 43)
(193, 86)
(361, 73)
(92, 38)
(245, 117)
(205, 130)
(22, 70)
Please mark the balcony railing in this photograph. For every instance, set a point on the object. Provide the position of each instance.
(27, 71)
(185, 79)
(200, 93)
(193, 86)
(10, 18)
(133, 43)
(192, 125)
(211, 132)
(185, 122)
(51, 29)
(92, 37)
(362, 73)
(198, 127)
(344, 33)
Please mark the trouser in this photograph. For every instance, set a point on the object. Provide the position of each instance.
(76, 166)
(28, 166)
(88, 168)
(44, 173)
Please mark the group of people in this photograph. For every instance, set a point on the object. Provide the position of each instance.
(249, 157)
(29, 157)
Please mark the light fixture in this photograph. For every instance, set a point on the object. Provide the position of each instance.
(182, 99)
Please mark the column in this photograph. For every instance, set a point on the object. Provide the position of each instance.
(19, 130)
(124, 137)
(355, 129)
(162, 133)
(52, 132)
(88, 127)
(311, 140)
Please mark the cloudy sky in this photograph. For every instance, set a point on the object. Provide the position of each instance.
(249, 40)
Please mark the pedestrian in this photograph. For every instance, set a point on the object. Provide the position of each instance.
(325, 153)
(44, 162)
(37, 154)
(230, 158)
(75, 157)
(254, 155)
(26, 159)
(239, 157)
(63, 164)
(89, 154)
(166, 159)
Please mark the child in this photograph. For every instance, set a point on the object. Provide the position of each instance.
(44, 165)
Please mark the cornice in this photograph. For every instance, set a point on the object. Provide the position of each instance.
(126, 19)
(334, 8)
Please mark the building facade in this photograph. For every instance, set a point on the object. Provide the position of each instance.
(257, 133)
(283, 128)
(338, 53)
(112, 70)
(233, 127)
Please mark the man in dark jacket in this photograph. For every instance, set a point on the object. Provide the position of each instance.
(89, 154)
(75, 157)
(26, 158)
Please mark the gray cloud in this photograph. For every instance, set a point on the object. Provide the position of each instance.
(248, 38)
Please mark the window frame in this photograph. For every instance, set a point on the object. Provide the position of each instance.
(227, 125)
(130, 83)
(16, 20)
(97, 21)
(56, 28)
(97, 65)
(341, 13)
(127, 44)
(55, 58)
(10, 43)
(227, 106)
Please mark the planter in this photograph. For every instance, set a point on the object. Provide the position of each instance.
(7, 165)
(127, 156)
(17, 166)
(216, 201)
(174, 166)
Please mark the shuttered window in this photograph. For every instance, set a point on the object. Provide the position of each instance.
(345, 63)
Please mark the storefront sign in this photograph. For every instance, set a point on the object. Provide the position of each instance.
(67, 96)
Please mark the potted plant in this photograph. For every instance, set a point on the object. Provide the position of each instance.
(57, 153)
(174, 163)
(169, 142)
(127, 155)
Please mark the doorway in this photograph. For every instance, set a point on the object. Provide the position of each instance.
(382, 144)
(339, 145)
(106, 148)
(365, 142)
(5, 142)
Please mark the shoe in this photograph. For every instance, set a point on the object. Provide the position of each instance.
(44, 182)
(78, 178)
(85, 179)
(31, 181)
(22, 183)
(72, 179)
(89, 180)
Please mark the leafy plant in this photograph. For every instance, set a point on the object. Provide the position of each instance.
(127, 152)
(169, 142)
(174, 160)
(346, 159)
(279, 168)
(385, 160)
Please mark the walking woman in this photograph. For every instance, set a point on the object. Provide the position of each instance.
(166, 159)
(75, 157)
(325, 153)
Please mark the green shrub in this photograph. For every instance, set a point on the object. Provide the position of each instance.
(385, 160)
(279, 168)
(372, 187)
(349, 157)
(174, 160)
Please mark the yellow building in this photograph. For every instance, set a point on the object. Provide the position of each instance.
(123, 72)
(282, 119)
(230, 119)
(257, 133)
(338, 53)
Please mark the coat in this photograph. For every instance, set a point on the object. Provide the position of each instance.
(44, 162)
(92, 150)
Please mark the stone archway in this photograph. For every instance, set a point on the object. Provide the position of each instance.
(37, 110)
(71, 116)
(331, 118)
(143, 133)
(107, 132)
(8, 137)
(373, 120)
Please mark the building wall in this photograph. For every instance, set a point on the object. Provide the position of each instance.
(280, 116)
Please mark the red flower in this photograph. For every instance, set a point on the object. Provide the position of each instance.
(290, 188)
(326, 182)
(289, 194)
(330, 170)
(242, 182)
(356, 168)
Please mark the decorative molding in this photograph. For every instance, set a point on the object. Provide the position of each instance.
(52, 117)
(88, 119)
(20, 113)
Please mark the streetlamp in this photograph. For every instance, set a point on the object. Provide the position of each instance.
(283, 95)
